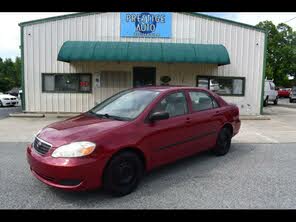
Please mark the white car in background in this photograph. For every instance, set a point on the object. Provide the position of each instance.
(270, 93)
(8, 100)
(293, 94)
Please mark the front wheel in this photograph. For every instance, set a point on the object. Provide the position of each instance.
(1, 104)
(223, 142)
(123, 173)
(275, 102)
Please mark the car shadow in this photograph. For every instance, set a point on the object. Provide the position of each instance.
(155, 182)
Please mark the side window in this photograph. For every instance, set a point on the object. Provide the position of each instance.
(226, 86)
(175, 104)
(272, 86)
(202, 101)
(215, 104)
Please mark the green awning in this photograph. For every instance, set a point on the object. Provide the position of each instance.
(143, 52)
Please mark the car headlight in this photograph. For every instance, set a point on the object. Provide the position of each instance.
(76, 149)
(6, 99)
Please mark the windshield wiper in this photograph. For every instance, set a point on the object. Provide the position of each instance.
(106, 115)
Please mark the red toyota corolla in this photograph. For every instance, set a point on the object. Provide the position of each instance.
(117, 141)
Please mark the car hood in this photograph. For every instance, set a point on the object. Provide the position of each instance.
(84, 127)
(2, 96)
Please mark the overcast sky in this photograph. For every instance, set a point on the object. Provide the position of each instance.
(10, 31)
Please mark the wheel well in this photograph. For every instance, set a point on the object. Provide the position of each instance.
(229, 126)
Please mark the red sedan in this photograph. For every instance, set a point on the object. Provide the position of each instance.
(132, 132)
(284, 93)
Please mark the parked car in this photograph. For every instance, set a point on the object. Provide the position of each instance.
(14, 92)
(293, 94)
(284, 92)
(270, 93)
(116, 142)
(8, 100)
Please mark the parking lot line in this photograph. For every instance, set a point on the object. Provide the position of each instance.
(267, 138)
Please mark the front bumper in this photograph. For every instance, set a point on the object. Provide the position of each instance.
(67, 173)
(9, 102)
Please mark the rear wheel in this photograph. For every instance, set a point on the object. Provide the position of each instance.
(265, 102)
(1, 104)
(223, 142)
(291, 100)
(123, 173)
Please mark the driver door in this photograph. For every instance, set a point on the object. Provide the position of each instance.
(166, 139)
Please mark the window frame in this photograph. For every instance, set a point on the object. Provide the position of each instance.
(272, 86)
(66, 91)
(208, 94)
(224, 77)
(163, 97)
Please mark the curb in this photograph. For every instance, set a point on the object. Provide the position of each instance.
(28, 115)
(254, 118)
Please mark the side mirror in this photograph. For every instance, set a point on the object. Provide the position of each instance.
(158, 116)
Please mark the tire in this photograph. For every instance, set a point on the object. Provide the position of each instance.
(275, 102)
(223, 142)
(265, 102)
(1, 104)
(123, 173)
(291, 101)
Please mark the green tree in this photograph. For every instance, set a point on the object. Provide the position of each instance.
(18, 70)
(281, 52)
(10, 74)
(5, 83)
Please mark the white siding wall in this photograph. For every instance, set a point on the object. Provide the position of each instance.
(42, 42)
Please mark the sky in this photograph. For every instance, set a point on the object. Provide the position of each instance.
(10, 31)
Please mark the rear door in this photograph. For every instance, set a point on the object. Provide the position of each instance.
(206, 119)
(273, 92)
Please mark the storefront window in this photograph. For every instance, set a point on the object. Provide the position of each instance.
(227, 86)
(66, 82)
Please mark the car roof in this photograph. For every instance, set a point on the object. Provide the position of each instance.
(167, 88)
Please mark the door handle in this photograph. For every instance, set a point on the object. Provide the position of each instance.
(188, 120)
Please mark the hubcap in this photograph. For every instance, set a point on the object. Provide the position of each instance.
(224, 142)
(124, 173)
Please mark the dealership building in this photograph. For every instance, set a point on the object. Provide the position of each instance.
(72, 62)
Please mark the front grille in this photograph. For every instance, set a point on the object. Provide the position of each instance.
(69, 182)
(41, 146)
(13, 99)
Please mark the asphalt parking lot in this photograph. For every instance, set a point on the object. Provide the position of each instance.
(249, 176)
(5, 111)
(258, 172)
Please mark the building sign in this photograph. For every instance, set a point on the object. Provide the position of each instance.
(146, 24)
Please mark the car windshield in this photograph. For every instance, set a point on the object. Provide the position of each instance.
(294, 89)
(126, 105)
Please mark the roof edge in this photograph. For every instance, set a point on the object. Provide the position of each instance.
(198, 14)
(55, 18)
(225, 20)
